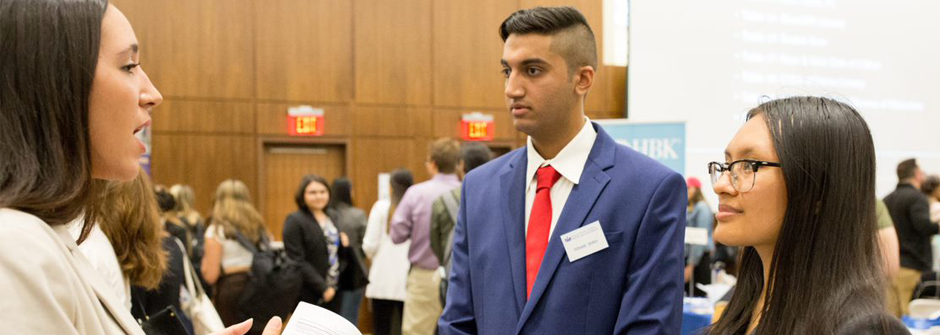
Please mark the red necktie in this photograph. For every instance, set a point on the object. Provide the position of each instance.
(540, 223)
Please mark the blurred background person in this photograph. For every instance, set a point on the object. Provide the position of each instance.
(698, 257)
(185, 200)
(412, 221)
(389, 270)
(311, 236)
(910, 212)
(352, 222)
(444, 210)
(146, 301)
(226, 262)
(890, 252)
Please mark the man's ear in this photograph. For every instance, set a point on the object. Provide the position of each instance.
(584, 79)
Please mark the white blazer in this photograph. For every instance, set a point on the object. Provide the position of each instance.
(48, 287)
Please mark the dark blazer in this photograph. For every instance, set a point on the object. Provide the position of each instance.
(632, 287)
(304, 242)
(352, 221)
(911, 215)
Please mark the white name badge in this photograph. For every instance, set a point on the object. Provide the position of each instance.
(696, 236)
(584, 241)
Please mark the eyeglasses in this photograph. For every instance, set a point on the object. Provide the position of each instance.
(743, 172)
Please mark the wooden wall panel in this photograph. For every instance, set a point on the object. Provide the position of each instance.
(467, 50)
(195, 48)
(218, 117)
(447, 123)
(204, 161)
(391, 122)
(304, 50)
(373, 156)
(393, 54)
(272, 119)
(392, 75)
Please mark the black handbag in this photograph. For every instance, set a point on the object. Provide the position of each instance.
(165, 322)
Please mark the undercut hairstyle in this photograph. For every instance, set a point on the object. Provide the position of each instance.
(445, 153)
(572, 37)
(474, 154)
(47, 66)
(828, 162)
(907, 169)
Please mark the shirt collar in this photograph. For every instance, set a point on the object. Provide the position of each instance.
(445, 177)
(570, 160)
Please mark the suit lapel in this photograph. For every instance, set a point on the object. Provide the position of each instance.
(580, 202)
(120, 315)
(512, 194)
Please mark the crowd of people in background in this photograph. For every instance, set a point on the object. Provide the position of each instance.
(89, 244)
(346, 254)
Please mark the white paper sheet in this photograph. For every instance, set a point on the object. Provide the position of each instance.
(315, 320)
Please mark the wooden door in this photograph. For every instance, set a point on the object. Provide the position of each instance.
(284, 166)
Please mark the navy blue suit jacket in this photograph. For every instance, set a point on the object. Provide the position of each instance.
(634, 286)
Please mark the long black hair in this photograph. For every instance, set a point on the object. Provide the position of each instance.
(341, 195)
(826, 267)
(401, 180)
(47, 66)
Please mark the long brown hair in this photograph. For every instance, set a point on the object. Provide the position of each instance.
(232, 209)
(185, 202)
(47, 66)
(128, 216)
(400, 181)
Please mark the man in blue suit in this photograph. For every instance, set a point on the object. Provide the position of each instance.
(573, 234)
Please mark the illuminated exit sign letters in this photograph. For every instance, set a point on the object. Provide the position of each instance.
(305, 121)
(477, 126)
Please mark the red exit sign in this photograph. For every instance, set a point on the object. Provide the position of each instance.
(305, 121)
(477, 127)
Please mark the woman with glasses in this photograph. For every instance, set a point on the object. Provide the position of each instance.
(797, 192)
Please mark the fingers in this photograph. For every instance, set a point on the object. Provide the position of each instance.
(273, 327)
(239, 329)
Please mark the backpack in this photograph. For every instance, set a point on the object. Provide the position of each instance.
(274, 285)
(451, 204)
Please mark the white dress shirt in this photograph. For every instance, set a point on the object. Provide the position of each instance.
(569, 163)
(100, 253)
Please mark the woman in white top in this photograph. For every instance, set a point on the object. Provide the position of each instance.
(226, 262)
(72, 96)
(390, 263)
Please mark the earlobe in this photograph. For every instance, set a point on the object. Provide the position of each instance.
(585, 79)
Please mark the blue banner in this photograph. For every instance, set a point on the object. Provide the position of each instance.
(662, 141)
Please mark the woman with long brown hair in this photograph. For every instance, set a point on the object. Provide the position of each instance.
(226, 263)
(72, 97)
(129, 222)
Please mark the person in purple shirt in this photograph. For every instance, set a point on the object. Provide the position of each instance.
(412, 220)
